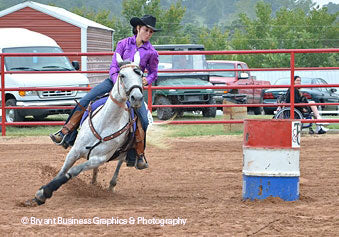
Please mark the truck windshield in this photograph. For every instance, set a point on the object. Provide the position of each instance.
(221, 66)
(182, 62)
(287, 81)
(37, 63)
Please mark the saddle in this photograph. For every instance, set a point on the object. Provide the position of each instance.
(135, 136)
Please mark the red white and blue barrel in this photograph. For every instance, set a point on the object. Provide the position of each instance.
(271, 151)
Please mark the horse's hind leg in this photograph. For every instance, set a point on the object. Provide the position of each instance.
(95, 175)
(113, 181)
(47, 190)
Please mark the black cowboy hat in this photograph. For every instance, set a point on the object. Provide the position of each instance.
(146, 20)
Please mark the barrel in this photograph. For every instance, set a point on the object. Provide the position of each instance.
(271, 150)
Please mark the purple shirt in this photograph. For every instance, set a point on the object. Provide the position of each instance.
(148, 58)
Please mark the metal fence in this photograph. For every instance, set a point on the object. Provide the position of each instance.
(150, 88)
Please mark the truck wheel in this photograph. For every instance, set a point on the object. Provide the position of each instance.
(163, 113)
(257, 110)
(210, 112)
(13, 115)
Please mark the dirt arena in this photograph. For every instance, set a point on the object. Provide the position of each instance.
(198, 179)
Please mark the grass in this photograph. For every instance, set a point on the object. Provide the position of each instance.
(160, 130)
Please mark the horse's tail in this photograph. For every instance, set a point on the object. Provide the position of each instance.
(168, 121)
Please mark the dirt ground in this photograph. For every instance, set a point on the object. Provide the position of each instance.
(194, 179)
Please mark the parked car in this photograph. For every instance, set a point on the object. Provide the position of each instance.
(317, 94)
(19, 40)
(239, 96)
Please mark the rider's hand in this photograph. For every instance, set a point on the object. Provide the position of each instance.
(144, 81)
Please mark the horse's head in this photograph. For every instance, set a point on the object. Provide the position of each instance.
(131, 79)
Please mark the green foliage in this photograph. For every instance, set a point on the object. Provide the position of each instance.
(214, 39)
(224, 25)
(167, 20)
(289, 29)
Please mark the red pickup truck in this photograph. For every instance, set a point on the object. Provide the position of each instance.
(253, 96)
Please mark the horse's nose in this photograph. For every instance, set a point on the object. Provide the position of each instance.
(136, 99)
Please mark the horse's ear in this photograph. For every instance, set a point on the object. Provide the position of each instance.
(136, 60)
(118, 58)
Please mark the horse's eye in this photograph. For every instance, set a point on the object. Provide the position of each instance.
(138, 71)
(122, 76)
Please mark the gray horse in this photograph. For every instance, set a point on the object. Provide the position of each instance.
(111, 124)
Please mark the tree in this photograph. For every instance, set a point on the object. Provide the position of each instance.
(167, 20)
(289, 29)
(214, 39)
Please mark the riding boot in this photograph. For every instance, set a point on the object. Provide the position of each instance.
(140, 136)
(73, 123)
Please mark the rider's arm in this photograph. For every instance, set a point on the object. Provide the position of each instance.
(152, 67)
(114, 69)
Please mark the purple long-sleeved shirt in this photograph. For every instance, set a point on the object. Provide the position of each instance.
(149, 58)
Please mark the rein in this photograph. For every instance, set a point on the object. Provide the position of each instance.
(107, 138)
(120, 82)
(112, 136)
(121, 105)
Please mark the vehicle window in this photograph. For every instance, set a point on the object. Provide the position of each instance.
(212, 65)
(244, 66)
(165, 62)
(286, 81)
(324, 89)
(240, 67)
(36, 62)
(182, 62)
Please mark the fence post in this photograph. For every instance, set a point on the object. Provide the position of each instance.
(292, 86)
(271, 151)
(149, 97)
(3, 97)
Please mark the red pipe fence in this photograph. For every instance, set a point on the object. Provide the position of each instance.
(292, 70)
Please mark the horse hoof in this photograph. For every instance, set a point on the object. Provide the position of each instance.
(31, 203)
(39, 196)
(111, 188)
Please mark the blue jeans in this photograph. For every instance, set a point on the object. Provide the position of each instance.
(99, 90)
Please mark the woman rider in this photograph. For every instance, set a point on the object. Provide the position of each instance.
(143, 29)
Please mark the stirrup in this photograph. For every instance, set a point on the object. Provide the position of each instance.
(56, 133)
(145, 163)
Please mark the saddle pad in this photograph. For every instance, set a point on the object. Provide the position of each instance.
(96, 104)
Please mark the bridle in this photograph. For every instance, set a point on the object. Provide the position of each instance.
(135, 67)
(120, 82)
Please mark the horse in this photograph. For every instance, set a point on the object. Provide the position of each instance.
(103, 141)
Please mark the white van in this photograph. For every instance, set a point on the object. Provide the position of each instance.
(19, 40)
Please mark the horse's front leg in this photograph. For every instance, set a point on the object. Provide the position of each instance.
(113, 181)
(47, 190)
(71, 158)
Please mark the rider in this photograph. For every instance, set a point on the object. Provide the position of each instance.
(143, 29)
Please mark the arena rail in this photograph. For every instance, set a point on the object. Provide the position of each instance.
(292, 70)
